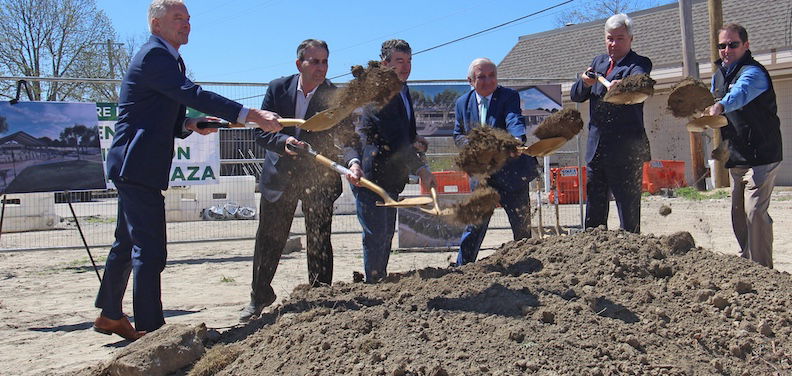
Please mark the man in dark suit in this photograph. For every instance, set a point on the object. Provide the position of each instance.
(491, 105)
(287, 178)
(384, 152)
(152, 109)
(617, 143)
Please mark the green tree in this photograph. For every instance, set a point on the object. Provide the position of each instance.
(446, 98)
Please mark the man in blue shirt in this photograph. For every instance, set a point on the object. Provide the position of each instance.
(746, 97)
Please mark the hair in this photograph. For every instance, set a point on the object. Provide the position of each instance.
(618, 20)
(480, 61)
(735, 28)
(308, 43)
(391, 45)
(158, 8)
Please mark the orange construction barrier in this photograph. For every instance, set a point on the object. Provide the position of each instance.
(663, 174)
(450, 182)
(566, 179)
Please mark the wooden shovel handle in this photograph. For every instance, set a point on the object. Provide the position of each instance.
(604, 81)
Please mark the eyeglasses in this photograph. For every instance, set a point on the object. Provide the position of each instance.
(732, 45)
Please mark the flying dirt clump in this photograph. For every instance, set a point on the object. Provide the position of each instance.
(664, 210)
(487, 151)
(374, 84)
(565, 123)
(480, 205)
(689, 97)
(637, 83)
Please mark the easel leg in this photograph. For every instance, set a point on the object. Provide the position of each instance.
(2, 215)
(87, 249)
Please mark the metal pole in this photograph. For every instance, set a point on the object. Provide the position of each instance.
(87, 249)
(690, 68)
(580, 179)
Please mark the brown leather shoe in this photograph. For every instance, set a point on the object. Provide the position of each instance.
(121, 327)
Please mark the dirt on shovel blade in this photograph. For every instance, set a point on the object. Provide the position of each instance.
(487, 151)
(479, 206)
(565, 123)
(689, 97)
(375, 84)
(637, 83)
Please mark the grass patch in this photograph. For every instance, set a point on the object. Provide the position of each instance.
(85, 261)
(227, 279)
(215, 360)
(691, 193)
(97, 219)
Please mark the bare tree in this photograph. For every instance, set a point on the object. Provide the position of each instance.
(592, 10)
(55, 38)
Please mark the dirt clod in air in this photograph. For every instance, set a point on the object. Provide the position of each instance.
(689, 97)
(636, 83)
(487, 151)
(565, 123)
(664, 210)
(474, 209)
(374, 84)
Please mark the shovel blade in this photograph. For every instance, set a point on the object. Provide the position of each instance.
(627, 98)
(544, 147)
(326, 119)
(713, 122)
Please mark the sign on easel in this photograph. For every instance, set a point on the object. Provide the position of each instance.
(49, 147)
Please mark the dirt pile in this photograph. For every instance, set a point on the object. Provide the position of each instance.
(689, 97)
(636, 83)
(596, 303)
(566, 123)
(487, 151)
(479, 205)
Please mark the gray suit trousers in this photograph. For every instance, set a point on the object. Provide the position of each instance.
(753, 227)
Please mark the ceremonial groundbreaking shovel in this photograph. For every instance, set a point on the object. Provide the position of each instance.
(707, 121)
(436, 207)
(386, 199)
(543, 147)
(629, 96)
(321, 121)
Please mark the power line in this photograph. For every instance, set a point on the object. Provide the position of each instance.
(478, 32)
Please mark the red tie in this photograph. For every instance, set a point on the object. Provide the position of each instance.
(610, 68)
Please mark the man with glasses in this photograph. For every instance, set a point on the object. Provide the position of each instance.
(617, 143)
(746, 97)
(287, 178)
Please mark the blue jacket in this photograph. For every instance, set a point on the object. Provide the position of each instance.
(280, 171)
(383, 143)
(152, 106)
(617, 130)
(504, 112)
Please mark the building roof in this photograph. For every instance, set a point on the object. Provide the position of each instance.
(567, 51)
(21, 138)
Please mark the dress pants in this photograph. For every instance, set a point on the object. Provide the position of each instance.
(623, 180)
(140, 247)
(379, 225)
(517, 205)
(753, 226)
(273, 232)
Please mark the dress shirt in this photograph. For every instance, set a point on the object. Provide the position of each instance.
(751, 83)
(302, 100)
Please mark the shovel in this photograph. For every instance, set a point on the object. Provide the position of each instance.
(707, 121)
(386, 199)
(321, 121)
(543, 147)
(436, 208)
(621, 98)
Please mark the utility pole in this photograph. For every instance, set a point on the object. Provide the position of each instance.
(690, 68)
(720, 177)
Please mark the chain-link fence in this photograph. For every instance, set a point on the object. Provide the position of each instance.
(45, 220)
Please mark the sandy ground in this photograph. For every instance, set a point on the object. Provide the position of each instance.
(46, 297)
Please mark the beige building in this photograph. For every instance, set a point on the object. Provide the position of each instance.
(567, 51)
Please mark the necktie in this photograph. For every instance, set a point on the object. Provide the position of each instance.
(610, 68)
(483, 107)
(182, 68)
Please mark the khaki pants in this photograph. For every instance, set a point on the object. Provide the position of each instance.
(753, 227)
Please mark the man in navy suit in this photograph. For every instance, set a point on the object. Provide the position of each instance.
(287, 178)
(491, 105)
(617, 143)
(152, 106)
(384, 152)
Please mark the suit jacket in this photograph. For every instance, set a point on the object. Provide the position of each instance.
(281, 172)
(383, 143)
(504, 112)
(615, 131)
(152, 106)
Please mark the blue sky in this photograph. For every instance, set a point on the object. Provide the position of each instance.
(48, 119)
(255, 41)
